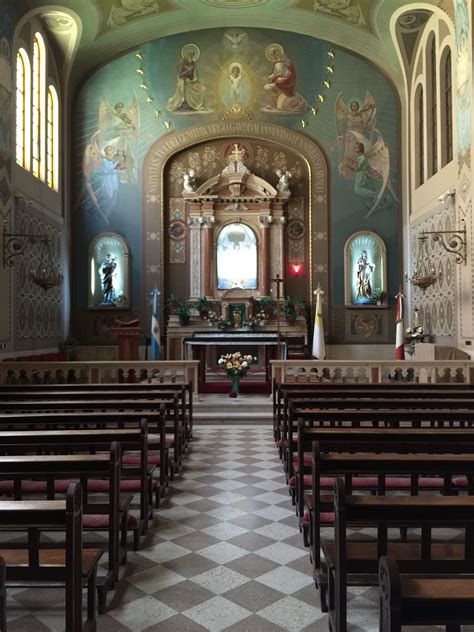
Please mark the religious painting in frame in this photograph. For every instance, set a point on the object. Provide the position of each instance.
(365, 273)
(237, 257)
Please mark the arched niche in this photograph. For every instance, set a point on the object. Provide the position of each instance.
(365, 270)
(109, 271)
(166, 148)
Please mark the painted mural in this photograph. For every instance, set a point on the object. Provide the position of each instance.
(463, 79)
(179, 82)
(354, 12)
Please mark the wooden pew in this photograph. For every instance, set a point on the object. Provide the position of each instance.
(141, 390)
(400, 440)
(83, 467)
(415, 465)
(356, 563)
(283, 393)
(83, 441)
(72, 566)
(111, 419)
(410, 600)
(404, 415)
(3, 597)
(83, 403)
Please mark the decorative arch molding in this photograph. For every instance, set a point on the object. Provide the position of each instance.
(163, 150)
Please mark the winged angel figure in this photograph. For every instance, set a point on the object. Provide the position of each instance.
(365, 156)
(109, 157)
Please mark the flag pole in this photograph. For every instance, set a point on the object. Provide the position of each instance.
(155, 324)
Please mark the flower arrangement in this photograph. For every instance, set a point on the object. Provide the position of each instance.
(378, 296)
(235, 364)
(416, 333)
(216, 320)
(253, 321)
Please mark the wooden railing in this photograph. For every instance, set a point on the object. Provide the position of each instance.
(372, 372)
(165, 372)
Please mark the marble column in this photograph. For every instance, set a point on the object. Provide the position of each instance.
(264, 267)
(277, 248)
(195, 222)
(207, 254)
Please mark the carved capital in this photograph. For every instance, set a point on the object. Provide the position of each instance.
(265, 220)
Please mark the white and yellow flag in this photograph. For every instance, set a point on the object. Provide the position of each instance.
(319, 347)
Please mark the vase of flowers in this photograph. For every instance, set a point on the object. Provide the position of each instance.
(236, 366)
(417, 334)
(255, 321)
(268, 305)
(215, 320)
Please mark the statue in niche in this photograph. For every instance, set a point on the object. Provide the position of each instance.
(363, 271)
(189, 181)
(283, 185)
(107, 270)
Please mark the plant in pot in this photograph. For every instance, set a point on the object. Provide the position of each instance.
(268, 305)
(289, 309)
(300, 305)
(173, 303)
(203, 306)
(183, 310)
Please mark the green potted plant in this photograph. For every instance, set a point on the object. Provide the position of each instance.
(300, 305)
(268, 304)
(173, 302)
(183, 310)
(289, 309)
(378, 296)
(203, 306)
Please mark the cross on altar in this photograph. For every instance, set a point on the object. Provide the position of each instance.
(278, 281)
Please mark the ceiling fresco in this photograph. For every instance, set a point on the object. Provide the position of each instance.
(119, 13)
(353, 12)
(109, 28)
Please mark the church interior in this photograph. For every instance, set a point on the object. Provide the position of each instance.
(237, 292)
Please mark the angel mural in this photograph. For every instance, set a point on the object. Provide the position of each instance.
(364, 155)
(355, 118)
(125, 10)
(110, 155)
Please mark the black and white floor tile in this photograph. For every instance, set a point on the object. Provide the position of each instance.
(224, 553)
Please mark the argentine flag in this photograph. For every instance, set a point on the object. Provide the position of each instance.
(155, 338)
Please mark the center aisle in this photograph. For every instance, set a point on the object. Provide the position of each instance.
(226, 553)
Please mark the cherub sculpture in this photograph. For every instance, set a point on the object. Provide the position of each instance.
(189, 181)
(283, 185)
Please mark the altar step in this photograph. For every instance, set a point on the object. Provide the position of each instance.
(222, 409)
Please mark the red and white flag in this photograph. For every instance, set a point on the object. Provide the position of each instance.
(399, 329)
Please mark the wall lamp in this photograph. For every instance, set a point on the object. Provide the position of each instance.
(47, 274)
(453, 241)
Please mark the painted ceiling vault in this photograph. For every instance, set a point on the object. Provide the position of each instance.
(108, 28)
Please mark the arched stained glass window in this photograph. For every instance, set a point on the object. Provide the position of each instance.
(38, 149)
(237, 257)
(52, 137)
(22, 105)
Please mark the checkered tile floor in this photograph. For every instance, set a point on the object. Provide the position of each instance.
(224, 553)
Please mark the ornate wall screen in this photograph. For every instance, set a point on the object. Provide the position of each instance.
(269, 142)
(109, 274)
(365, 270)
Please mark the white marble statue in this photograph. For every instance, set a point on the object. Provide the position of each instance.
(283, 185)
(189, 181)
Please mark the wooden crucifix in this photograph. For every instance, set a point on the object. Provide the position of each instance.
(278, 281)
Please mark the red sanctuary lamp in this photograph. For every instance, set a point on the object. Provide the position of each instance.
(296, 269)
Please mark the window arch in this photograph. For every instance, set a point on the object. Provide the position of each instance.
(447, 109)
(52, 137)
(433, 107)
(420, 136)
(37, 112)
(23, 105)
